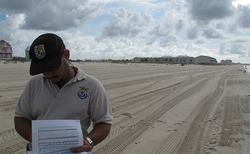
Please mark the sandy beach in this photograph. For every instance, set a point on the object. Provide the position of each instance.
(157, 108)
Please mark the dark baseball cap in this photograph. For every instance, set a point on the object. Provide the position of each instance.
(46, 53)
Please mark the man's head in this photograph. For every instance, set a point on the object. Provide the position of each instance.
(46, 53)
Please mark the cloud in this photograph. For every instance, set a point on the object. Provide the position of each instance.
(231, 49)
(101, 29)
(19, 6)
(220, 25)
(204, 11)
(9, 27)
(236, 48)
(239, 39)
(125, 24)
(238, 45)
(168, 41)
(52, 15)
(242, 2)
(244, 18)
(200, 41)
(19, 39)
(192, 33)
(163, 31)
(179, 25)
(156, 33)
(60, 16)
(240, 21)
(212, 33)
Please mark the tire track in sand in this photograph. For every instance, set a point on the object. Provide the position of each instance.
(8, 106)
(137, 81)
(188, 137)
(6, 89)
(120, 142)
(11, 142)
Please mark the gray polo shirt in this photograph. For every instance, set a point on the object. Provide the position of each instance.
(83, 98)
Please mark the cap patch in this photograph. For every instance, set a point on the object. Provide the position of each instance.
(39, 51)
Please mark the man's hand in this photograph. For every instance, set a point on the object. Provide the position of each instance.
(98, 134)
(85, 148)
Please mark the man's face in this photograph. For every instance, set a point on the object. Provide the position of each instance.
(58, 75)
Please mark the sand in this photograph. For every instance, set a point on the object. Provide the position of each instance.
(157, 108)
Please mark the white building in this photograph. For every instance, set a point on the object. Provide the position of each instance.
(27, 56)
(202, 60)
(226, 62)
(166, 59)
(205, 60)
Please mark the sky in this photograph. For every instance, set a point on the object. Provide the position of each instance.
(124, 29)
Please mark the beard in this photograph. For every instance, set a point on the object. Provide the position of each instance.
(59, 80)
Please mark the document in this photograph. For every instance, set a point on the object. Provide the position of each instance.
(56, 136)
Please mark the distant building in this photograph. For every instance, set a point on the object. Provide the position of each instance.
(202, 60)
(205, 60)
(5, 50)
(166, 59)
(27, 56)
(226, 62)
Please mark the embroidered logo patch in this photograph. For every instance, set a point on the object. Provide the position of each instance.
(83, 92)
(39, 51)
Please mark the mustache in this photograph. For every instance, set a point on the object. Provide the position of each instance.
(53, 77)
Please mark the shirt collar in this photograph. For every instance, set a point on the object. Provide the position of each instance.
(80, 75)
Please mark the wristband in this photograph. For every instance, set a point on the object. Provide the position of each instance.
(91, 143)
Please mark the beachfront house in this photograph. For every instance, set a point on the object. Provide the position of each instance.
(5, 50)
(226, 62)
(166, 59)
(205, 60)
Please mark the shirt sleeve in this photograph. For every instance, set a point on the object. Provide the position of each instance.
(23, 108)
(100, 110)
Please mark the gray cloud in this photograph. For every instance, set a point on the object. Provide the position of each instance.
(222, 49)
(244, 19)
(236, 45)
(237, 49)
(51, 15)
(179, 25)
(125, 24)
(233, 48)
(205, 10)
(161, 29)
(20, 6)
(168, 40)
(240, 22)
(232, 27)
(212, 33)
(220, 25)
(156, 32)
(200, 41)
(240, 39)
(192, 33)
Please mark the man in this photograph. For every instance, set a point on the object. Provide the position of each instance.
(59, 91)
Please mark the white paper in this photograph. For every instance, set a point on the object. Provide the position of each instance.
(56, 136)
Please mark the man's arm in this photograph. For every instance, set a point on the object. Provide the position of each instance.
(23, 127)
(98, 134)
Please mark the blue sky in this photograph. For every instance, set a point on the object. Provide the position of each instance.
(117, 29)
